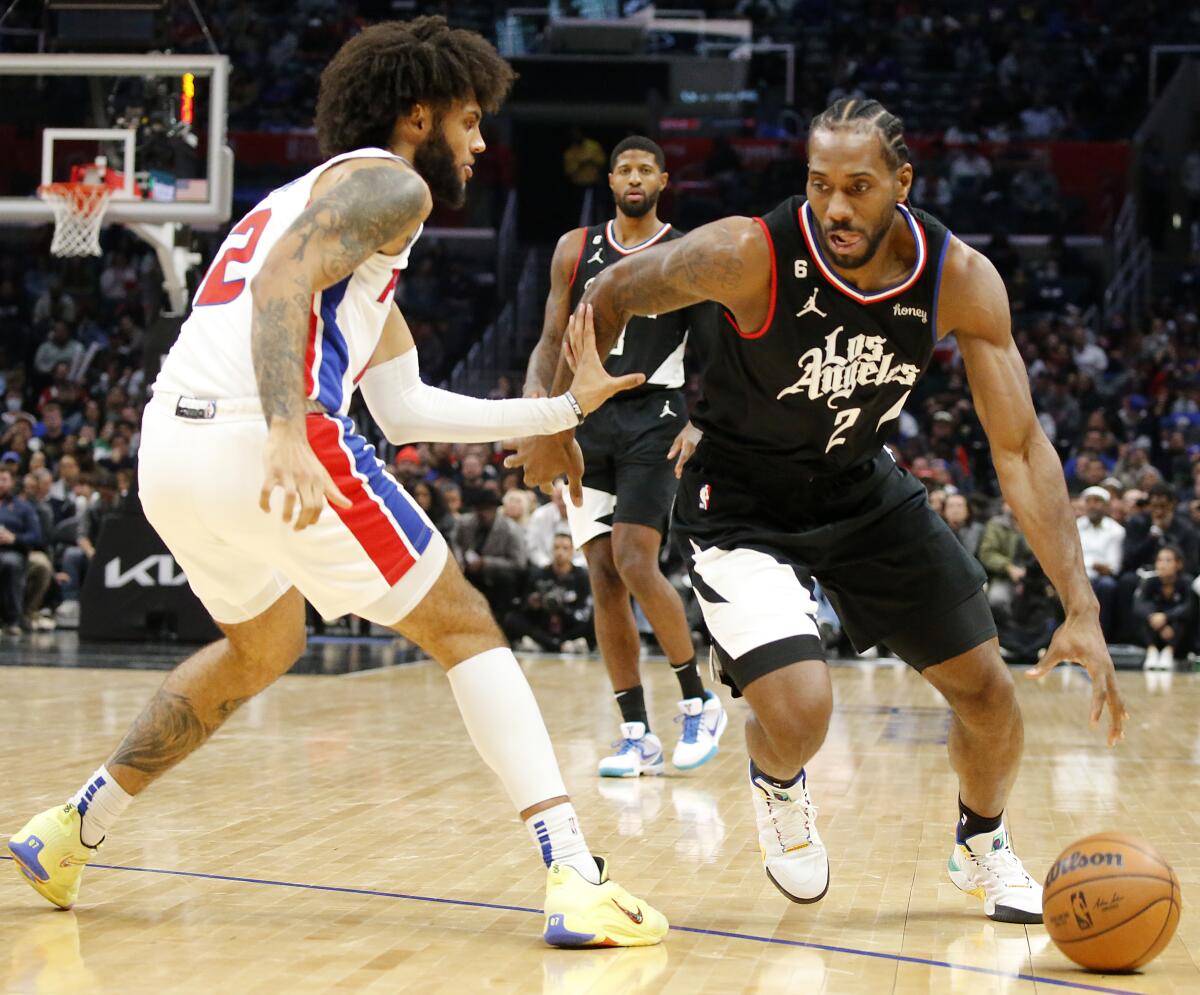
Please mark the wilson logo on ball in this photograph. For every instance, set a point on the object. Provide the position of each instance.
(1077, 860)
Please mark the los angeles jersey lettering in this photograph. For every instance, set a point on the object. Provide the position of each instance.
(212, 358)
(822, 383)
(653, 346)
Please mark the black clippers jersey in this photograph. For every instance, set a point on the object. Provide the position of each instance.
(822, 382)
(650, 345)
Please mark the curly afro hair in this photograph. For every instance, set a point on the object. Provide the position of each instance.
(379, 74)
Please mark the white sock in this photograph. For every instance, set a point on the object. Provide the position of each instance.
(100, 803)
(504, 723)
(557, 834)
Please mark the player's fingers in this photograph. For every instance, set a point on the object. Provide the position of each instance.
(514, 460)
(627, 382)
(575, 475)
(289, 501)
(334, 493)
(264, 496)
(1116, 715)
(1046, 664)
(676, 446)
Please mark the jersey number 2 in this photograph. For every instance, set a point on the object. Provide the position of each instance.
(218, 290)
(842, 423)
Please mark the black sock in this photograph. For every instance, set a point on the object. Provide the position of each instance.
(774, 781)
(632, 702)
(970, 824)
(689, 678)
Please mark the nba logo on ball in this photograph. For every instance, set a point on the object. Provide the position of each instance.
(705, 494)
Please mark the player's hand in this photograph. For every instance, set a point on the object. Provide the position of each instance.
(1079, 640)
(592, 385)
(289, 463)
(684, 445)
(544, 458)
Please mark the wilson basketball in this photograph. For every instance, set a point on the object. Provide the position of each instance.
(1111, 902)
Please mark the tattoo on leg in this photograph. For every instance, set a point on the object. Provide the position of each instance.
(167, 731)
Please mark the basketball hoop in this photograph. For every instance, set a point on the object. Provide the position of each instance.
(78, 213)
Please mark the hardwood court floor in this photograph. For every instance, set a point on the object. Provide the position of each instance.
(340, 835)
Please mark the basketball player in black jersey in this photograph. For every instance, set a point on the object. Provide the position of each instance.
(627, 485)
(833, 305)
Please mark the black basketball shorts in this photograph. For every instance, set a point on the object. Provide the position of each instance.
(754, 539)
(627, 476)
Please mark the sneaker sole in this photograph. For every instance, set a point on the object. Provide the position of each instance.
(31, 879)
(647, 771)
(699, 763)
(1003, 913)
(792, 898)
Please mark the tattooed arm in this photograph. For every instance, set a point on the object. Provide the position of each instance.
(368, 206)
(728, 261)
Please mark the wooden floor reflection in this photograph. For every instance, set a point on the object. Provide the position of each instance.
(340, 835)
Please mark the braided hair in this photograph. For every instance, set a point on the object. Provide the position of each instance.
(855, 114)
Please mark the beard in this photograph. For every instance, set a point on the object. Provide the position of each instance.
(434, 160)
(639, 209)
(874, 238)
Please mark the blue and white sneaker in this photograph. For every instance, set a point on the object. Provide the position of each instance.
(638, 752)
(703, 723)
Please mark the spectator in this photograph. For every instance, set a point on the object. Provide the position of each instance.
(1165, 611)
(517, 505)
(556, 614)
(78, 556)
(20, 531)
(957, 513)
(546, 523)
(59, 347)
(1005, 556)
(1103, 541)
(431, 501)
(491, 550)
(1145, 534)
(63, 488)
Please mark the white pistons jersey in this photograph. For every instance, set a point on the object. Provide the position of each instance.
(212, 356)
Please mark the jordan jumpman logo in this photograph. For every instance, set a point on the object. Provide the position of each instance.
(811, 306)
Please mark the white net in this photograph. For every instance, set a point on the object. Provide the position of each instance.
(78, 213)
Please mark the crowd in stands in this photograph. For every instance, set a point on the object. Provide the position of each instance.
(1121, 404)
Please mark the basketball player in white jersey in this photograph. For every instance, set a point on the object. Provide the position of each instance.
(257, 480)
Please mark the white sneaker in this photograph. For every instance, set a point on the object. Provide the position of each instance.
(1166, 658)
(1150, 661)
(577, 647)
(793, 855)
(703, 723)
(638, 752)
(986, 867)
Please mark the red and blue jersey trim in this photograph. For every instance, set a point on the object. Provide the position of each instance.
(381, 516)
(327, 356)
(808, 227)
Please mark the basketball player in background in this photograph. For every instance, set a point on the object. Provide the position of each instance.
(628, 486)
(258, 482)
(834, 303)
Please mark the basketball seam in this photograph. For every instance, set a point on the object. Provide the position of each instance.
(1104, 877)
(1115, 925)
(1166, 921)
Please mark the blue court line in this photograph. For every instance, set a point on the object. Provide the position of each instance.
(854, 951)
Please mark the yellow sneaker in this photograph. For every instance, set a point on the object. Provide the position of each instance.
(582, 914)
(50, 856)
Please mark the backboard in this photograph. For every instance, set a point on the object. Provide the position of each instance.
(158, 120)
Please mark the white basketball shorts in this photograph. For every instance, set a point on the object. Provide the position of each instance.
(200, 474)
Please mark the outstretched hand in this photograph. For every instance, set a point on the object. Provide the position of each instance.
(592, 385)
(545, 458)
(1080, 640)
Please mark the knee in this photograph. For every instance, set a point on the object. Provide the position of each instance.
(635, 564)
(606, 578)
(267, 659)
(989, 698)
(797, 730)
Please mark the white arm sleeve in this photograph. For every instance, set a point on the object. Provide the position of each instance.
(408, 410)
